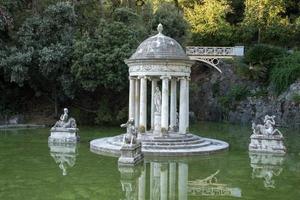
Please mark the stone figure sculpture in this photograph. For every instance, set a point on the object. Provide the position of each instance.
(157, 100)
(65, 129)
(131, 149)
(267, 128)
(64, 121)
(266, 138)
(130, 136)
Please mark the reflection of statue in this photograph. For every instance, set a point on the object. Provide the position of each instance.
(131, 135)
(266, 166)
(64, 154)
(64, 121)
(267, 128)
(157, 100)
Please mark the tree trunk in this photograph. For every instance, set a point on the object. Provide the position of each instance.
(259, 35)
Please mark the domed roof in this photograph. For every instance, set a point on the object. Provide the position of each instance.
(159, 46)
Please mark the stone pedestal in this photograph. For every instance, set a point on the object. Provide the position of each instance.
(63, 135)
(157, 123)
(130, 154)
(267, 144)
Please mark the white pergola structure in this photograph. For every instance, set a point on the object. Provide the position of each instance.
(161, 61)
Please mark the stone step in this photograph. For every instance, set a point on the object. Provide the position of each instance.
(186, 142)
(181, 146)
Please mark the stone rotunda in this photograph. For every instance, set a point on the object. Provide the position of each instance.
(160, 65)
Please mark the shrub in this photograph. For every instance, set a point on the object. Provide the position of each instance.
(285, 72)
(258, 62)
(237, 93)
(296, 98)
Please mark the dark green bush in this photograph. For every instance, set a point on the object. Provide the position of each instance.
(237, 93)
(258, 62)
(285, 72)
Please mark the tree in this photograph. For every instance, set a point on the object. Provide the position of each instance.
(44, 52)
(98, 61)
(264, 22)
(175, 25)
(208, 22)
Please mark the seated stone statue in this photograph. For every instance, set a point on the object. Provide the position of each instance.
(267, 128)
(64, 121)
(130, 136)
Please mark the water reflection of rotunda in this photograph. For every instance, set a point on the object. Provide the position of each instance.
(169, 180)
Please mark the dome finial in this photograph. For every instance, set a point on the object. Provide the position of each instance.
(160, 28)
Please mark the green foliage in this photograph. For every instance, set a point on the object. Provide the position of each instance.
(285, 72)
(264, 22)
(175, 25)
(16, 65)
(296, 98)
(208, 22)
(258, 62)
(236, 93)
(99, 59)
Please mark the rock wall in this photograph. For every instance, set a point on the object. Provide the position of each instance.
(209, 89)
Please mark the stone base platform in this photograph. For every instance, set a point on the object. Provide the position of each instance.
(63, 135)
(173, 144)
(267, 144)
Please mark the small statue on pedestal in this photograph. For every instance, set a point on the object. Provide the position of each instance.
(65, 129)
(131, 150)
(267, 128)
(266, 138)
(64, 121)
(130, 136)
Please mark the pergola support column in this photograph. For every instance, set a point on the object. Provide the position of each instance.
(143, 105)
(131, 114)
(165, 104)
(183, 106)
(173, 115)
(137, 103)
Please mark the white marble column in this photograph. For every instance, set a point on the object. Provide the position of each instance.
(183, 105)
(173, 104)
(143, 105)
(153, 86)
(137, 103)
(188, 103)
(164, 182)
(131, 98)
(172, 181)
(183, 181)
(165, 104)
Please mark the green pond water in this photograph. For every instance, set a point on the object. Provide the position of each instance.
(30, 169)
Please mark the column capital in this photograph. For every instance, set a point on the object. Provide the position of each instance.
(142, 77)
(165, 77)
(132, 77)
(153, 78)
(182, 78)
